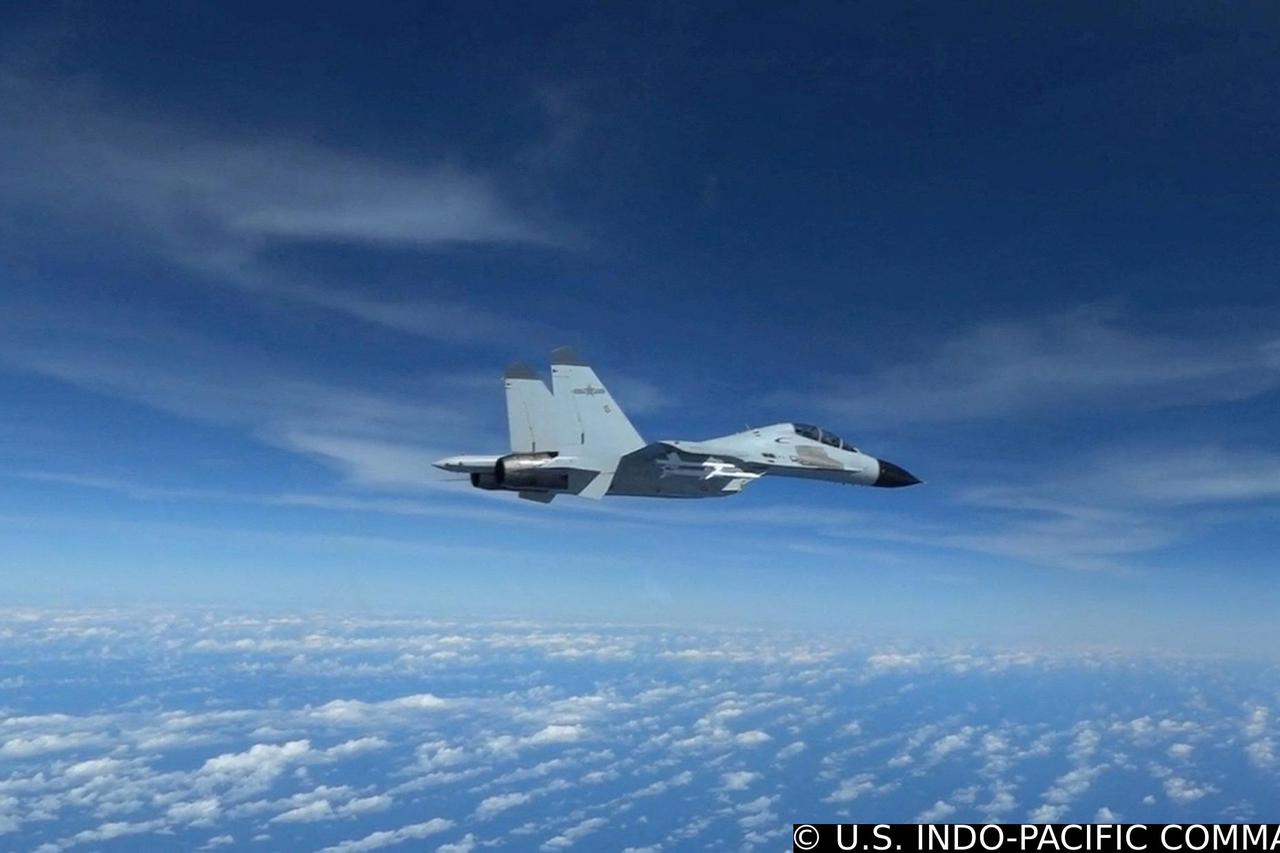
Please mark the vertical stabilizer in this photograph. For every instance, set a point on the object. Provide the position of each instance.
(589, 421)
(531, 414)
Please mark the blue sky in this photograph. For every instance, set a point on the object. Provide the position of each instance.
(259, 266)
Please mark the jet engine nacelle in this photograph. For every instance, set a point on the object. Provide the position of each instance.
(484, 480)
(522, 472)
(526, 472)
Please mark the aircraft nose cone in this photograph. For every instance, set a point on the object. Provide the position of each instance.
(893, 477)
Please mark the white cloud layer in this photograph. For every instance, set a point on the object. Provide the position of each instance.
(655, 746)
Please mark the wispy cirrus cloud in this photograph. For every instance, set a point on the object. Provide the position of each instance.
(1185, 476)
(1120, 502)
(1150, 477)
(1097, 513)
(1086, 357)
(216, 203)
(438, 319)
(211, 195)
(507, 512)
(374, 435)
(1100, 541)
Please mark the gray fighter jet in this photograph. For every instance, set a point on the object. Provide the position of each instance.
(574, 439)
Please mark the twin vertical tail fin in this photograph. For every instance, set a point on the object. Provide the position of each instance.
(589, 422)
(531, 413)
(580, 420)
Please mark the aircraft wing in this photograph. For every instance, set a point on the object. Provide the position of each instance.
(686, 460)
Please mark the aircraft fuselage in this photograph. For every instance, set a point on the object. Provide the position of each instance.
(576, 440)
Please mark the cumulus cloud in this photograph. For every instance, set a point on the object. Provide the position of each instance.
(325, 802)
(556, 733)
(319, 810)
(436, 754)
(936, 813)
(554, 762)
(94, 767)
(852, 789)
(755, 737)
(889, 661)
(465, 844)
(661, 786)
(357, 746)
(1262, 752)
(26, 747)
(1255, 725)
(574, 834)
(197, 813)
(1047, 813)
(365, 805)
(498, 803)
(1260, 746)
(390, 837)
(359, 711)
(259, 765)
(738, 780)
(1072, 784)
(791, 750)
(1002, 803)
(948, 744)
(1183, 791)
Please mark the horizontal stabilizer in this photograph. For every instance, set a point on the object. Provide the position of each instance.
(599, 486)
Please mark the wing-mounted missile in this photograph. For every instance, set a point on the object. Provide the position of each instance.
(728, 475)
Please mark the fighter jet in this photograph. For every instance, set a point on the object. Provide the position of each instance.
(573, 439)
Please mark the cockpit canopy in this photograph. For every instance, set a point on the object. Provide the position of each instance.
(822, 435)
